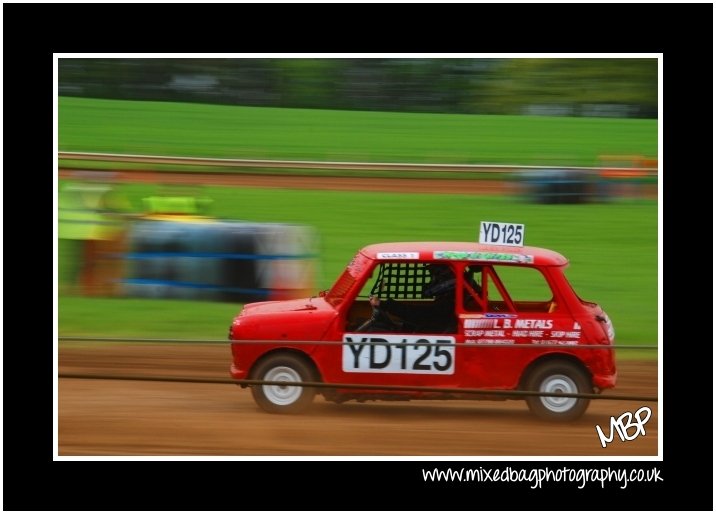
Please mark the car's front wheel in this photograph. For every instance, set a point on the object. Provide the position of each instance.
(283, 399)
(558, 377)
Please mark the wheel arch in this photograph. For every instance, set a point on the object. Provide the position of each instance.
(316, 374)
(553, 357)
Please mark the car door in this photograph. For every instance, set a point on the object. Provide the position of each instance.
(400, 350)
(508, 321)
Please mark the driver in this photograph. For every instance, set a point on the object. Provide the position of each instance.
(437, 316)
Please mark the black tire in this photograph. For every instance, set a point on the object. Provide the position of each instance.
(558, 376)
(283, 367)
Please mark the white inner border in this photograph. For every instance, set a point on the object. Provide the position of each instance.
(447, 458)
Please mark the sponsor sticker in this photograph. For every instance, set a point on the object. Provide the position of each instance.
(399, 255)
(483, 256)
(510, 330)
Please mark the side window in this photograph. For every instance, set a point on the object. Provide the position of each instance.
(472, 297)
(527, 288)
(400, 281)
(403, 282)
(412, 297)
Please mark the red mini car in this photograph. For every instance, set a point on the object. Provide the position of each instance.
(437, 317)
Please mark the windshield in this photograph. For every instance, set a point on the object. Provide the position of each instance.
(347, 279)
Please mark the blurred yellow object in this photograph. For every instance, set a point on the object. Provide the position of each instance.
(183, 218)
(85, 212)
(92, 216)
(175, 205)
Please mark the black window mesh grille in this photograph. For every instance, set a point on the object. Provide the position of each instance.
(401, 281)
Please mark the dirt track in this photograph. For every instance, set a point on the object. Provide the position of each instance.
(404, 185)
(107, 417)
(346, 183)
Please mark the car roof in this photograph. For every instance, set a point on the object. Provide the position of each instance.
(473, 252)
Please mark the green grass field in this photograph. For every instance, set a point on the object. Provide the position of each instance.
(163, 128)
(612, 248)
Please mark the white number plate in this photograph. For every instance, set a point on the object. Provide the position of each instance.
(390, 353)
(506, 234)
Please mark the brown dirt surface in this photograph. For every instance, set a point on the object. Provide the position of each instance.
(427, 185)
(338, 183)
(140, 418)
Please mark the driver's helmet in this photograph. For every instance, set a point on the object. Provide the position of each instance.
(442, 281)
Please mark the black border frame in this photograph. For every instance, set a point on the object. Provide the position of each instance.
(32, 33)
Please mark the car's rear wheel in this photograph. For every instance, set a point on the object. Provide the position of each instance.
(283, 399)
(558, 377)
